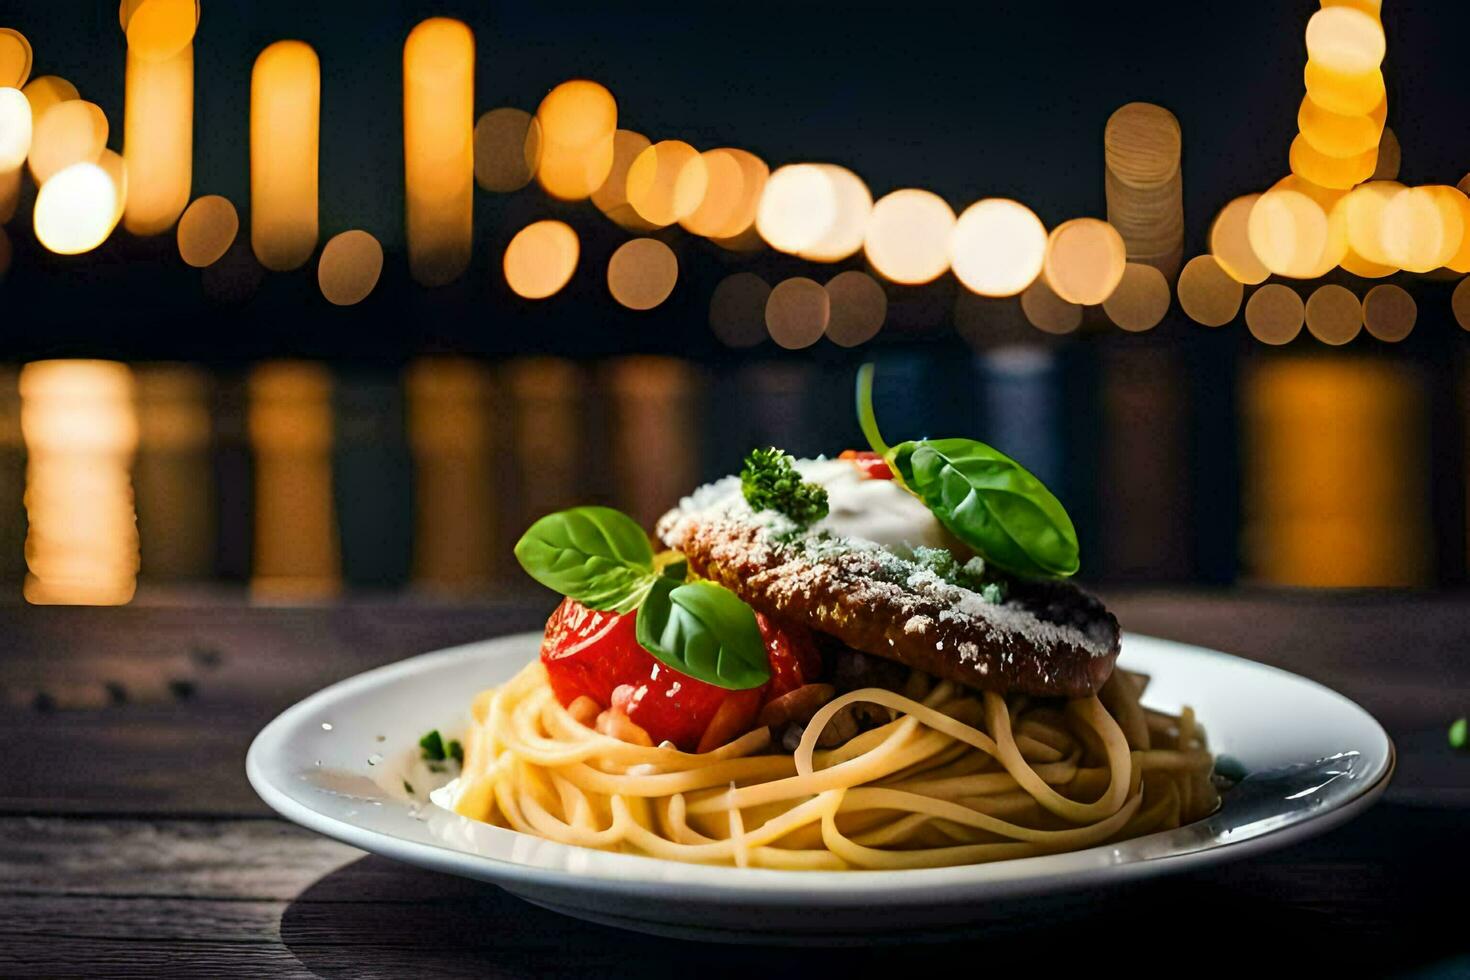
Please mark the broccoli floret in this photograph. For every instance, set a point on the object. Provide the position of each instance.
(769, 481)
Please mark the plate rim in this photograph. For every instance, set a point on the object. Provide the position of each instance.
(906, 887)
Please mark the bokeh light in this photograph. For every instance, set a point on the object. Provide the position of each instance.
(1288, 232)
(737, 310)
(1275, 314)
(611, 198)
(285, 131)
(858, 308)
(1346, 93)
(1338, 173)
(1141, 144)
(69, 132)
(1141, 299)
(908, 236)
(116, 169)
(47, 91)
(849, 227)
(439, 149)
(1334, 314)
(798, 206)
(724, 193)
(158, 140)
(1389, 312)
(207, 230)
(667, 182)
(15, 58)
(1230, 242)
(1422, 228)
(76, 209)
(1085, 260)
(1364, 207)
(10, 181)
(507, 148)
(578, 120)
(1048, 312)
(1389, 156)
(998, 247)
(740, 233)
(349, 268)
(1207, 293)
(797, 312)
(1460, 303)
(541, 258)
(641, 274)
(15, 129)
(159, 29)
(1345, 40)
(1336, 135)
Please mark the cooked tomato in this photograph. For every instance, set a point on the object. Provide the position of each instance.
(596, 655)
(870, 464)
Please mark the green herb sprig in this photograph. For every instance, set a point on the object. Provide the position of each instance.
(982, 496)
(769, 481)
(602, 559)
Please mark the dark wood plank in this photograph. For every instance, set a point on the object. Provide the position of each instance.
(250, 898)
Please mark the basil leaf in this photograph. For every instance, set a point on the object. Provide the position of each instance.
(595, 555)
(992, 503)
(703, 630)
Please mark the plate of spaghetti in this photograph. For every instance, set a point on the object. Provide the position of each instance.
(863, 687)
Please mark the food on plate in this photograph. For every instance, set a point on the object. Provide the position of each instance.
(874, 661)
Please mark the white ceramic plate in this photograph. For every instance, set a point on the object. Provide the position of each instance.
(336, 763)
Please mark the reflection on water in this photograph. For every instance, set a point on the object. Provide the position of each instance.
(305, 480)
(80, 427)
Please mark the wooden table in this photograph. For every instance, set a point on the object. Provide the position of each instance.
(131, 844)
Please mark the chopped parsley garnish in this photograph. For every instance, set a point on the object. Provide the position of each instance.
(769, 481)
(1459, 734)
(432, 746)
(434, 750)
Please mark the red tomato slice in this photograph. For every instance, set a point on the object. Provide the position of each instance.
(793, 654)
(870, 464)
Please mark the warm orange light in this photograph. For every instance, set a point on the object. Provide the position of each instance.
(159, 29)
(858, 306)
(798, 206)
(285, 129)
(349, 268)
(578, 121)
(850, 224)
(1456, 197)
(1230, 242)
(1344, 92)
(908, 236)
(47, 91)
(207, 230)
(1048, 312)
(1365, 207)
(15, 58)
(1085, 259)
(1336, 135)
(1338, 173)
(739, 233)
(507, 149)
(81, 430)
(1389, 312)
(612, 197)
(1141, 299)
(439, 148)
(642, 273)
(10, 193)
(1274, 314)
(998, 247)
(15, 129)
(1422, 228)
(1288, 232)
(1334, 314)
(1389, 156)
(667, 182)
(76, 209)
(797, 313)
(541, 258)
(69, 132)
(723, 195)
(1207, 293)
(158, 139)
(1345, 40)
(116, 168)
(1460, 303)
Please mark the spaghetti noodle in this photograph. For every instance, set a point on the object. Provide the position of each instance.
(954, 777)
